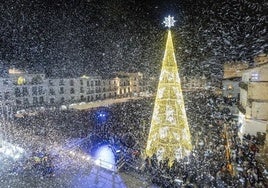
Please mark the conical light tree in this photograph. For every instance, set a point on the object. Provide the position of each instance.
(169, 137)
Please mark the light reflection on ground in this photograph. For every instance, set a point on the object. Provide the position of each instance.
(99, 177)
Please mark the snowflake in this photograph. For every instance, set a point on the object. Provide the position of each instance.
(169, 21)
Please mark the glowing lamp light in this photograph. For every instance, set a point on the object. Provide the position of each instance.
(97, 162)
(72, 153)
(21, 80)
(11, 151)
(105, 157)
(102, 116)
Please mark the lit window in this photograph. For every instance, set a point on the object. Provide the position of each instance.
(254, 76)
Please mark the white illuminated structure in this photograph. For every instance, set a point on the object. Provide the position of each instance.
(105, 158)
(169, 21)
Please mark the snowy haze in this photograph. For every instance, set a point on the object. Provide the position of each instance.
(78, 37)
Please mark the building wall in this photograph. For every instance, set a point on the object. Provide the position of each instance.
(234, 69)
(261, 88)
(6, 91)
(259, 110)
(254, 100)
(261, 59)
(26, 90)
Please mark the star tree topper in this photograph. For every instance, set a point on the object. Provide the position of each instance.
(169, 21)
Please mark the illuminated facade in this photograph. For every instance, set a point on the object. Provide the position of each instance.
(32, 90)
(169, 137)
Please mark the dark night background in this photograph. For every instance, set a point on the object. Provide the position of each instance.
(75, 37)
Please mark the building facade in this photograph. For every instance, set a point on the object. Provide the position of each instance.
(6, 92)
(253, 105)
(194, 83)
(32, 90)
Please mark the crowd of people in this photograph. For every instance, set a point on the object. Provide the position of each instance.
(212, 127)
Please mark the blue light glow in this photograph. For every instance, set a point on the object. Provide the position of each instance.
(105, 158)
(102, 116)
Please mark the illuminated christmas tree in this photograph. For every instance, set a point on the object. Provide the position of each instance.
(169, 136)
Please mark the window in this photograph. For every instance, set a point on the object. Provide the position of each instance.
(17, 92)
(82, 90)
(71, 82)
(61, 82)
(26, 101)
(51, 82)
(52, 91)
(40, 90)
(81, 82)
(25, 91)
(52, 101)
(72, 91)
(61, 90)
(18, 102)
(5, 82)
(82, 98)
(35, 101)
(41, 100)
(254, 76)
(34, 90)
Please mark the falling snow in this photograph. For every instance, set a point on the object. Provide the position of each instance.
(60, 146)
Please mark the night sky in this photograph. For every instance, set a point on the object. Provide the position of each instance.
(75, 37)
